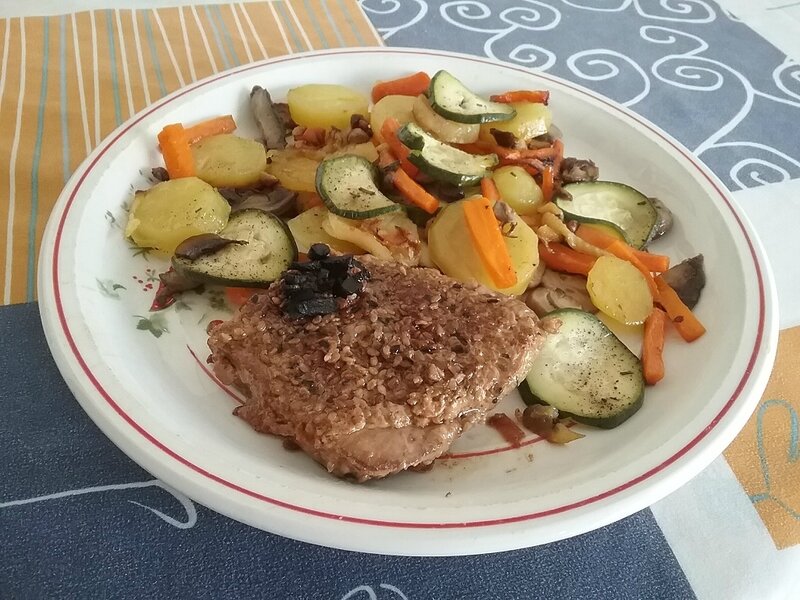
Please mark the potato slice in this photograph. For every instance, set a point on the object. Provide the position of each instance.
(532, 120)
(518, 189)
(325, 105)
(399, 107)
(366, 150)
(172, 211)
(296, 169)
(228, 160)
(452, 250)
(618, 289)
(307, 229)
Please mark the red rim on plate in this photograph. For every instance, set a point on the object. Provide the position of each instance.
(400, 524)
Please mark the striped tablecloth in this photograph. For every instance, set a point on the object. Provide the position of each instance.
(78, 519)
(67, 81)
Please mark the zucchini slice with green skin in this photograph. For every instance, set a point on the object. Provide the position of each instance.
(611, 202)
(348, 186)
(609, 229)
(586, 372)
(263, 249)
(451, 99)
(442, 162)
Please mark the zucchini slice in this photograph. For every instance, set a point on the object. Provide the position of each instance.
(263, 249)
(443, 162)
(586, 372)
(611, 202)
(348, 186)
(451, 99)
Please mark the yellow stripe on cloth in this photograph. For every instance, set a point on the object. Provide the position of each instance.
(67, 81)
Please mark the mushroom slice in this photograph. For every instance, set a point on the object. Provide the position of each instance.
(559, 290)
(273, 129)
(663, 219)
(575, 170)
(688, 279)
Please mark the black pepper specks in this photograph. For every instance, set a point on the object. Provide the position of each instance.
(323, 285)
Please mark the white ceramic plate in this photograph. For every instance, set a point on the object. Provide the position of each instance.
(142, 377)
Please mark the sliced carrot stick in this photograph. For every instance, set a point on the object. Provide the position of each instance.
(408, 188)
(239, 295)
(539, 96)
(215, 126)
(684, 320)
(561, 257)
(653, 346)
(547, 184)
(389, 131)
(540, 153)
(177, 154)
(489, 189)
(414, 192)
(625, 252)
(655, 263)
(488, 241)
(413, 85)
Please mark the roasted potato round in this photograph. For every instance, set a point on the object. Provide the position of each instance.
(518, 189)
(228, 160)
(172, 211)
(296, 169)
(452, 250)
(532, 120)
(325, 105)
(619, 290)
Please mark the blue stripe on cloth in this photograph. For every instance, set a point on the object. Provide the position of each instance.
(87, 544)
(287, 20)
(62, 50)
(37, 156)
(226, 34)
(315, 23)
(112, 50)
(151, 43)
(215, 30)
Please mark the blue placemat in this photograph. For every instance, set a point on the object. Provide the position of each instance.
(691, 68)
(78, 519)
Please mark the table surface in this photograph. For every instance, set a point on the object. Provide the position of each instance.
(78, 519)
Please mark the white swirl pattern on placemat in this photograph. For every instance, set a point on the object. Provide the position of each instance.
(375, 7)
(663, 51)
(679, 11)
(371, 594)
(792, 70)
(593, 60)
(185, 502)
(532, 16)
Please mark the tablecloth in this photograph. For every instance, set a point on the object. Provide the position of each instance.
(78, 519)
